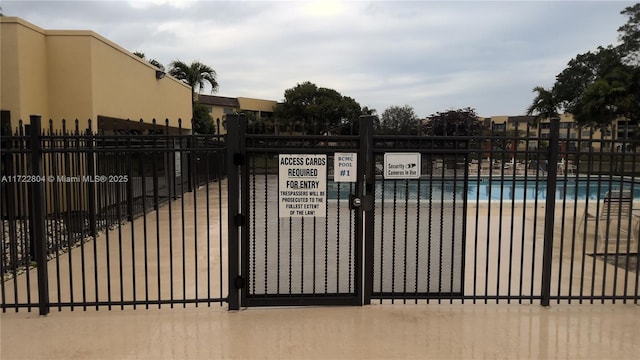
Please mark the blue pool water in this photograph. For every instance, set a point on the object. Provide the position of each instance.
(518, 190)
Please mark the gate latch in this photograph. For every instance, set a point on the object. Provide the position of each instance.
(364, 202)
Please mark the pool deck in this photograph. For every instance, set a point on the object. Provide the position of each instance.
(372, 332)
(378, 331)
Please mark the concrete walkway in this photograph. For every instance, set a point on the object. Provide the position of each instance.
(377, 331)
(371, 332)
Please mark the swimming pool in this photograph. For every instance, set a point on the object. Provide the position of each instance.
(483, 190)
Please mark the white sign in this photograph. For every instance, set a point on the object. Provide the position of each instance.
(402, 165)
(303, 185)
(345, 167)
(178, 166)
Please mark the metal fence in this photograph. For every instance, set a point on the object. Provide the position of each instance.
(120, 218)
(503, 217)
(100, 219)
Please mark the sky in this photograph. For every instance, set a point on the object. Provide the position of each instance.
(431, 55)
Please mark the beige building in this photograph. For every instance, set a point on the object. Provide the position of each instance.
(570, 133)
(220, 107)
(63, 74)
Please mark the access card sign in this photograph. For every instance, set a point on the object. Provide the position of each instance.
(402, 165)
(345, 167)
(303, 185)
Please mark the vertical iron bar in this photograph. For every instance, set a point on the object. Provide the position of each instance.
(91, 192)
(131, 216)
(145, 250)
(92, 184)
(156, 199)
(183, 250)
(266, 223)
(221, 160)
(506, 144)
(55, 208)
(550, 211)
(235, 145)
(207, 153)
(80, 199)
(172, 180)
(252, 224)
(37, 203)
(195, 152)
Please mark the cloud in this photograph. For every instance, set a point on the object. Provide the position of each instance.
(430, 55)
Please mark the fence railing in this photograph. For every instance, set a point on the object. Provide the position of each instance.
(112, 219)
(504, 216)
(508, 218)
(99, 208)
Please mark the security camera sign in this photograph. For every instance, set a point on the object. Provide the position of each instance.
(303, 185)
(402, 165)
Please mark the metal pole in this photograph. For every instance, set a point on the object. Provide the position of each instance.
(38, 212)
(366, 164)
(235, 135)
(552, 170)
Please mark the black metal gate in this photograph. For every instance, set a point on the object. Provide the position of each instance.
(370, 238)
(478, 223)
(312, 252)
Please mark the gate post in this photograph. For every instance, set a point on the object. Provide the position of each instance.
(366, 165)
(37, 206)
(550, 210)
(236, 127)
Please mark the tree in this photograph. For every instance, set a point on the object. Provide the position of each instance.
(630, 34)
(545, 104)
(397, 120)
(460, 122)
(615, 95)
(195, 75)
(202, 120)
(316, 110)
(153, 62)
(581, 72)
(598, 87)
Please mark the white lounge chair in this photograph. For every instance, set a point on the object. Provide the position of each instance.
(612, 218)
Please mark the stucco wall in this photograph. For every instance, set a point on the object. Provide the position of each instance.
(125, 86)
(23, 74)
(69, 69)
(256, 104)
(62, 74)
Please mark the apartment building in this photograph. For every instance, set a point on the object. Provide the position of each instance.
(572, 136)
(221, 106)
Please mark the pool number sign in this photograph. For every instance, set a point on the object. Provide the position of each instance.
(345, 167)
(303, 185)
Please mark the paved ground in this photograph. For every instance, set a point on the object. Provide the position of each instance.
(371, 332)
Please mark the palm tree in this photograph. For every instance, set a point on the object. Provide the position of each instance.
(153, 62)
(195, 75)
(545, 105)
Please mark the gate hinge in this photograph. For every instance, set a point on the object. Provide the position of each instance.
(238, 159)
(239, 282)
(239, 220)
